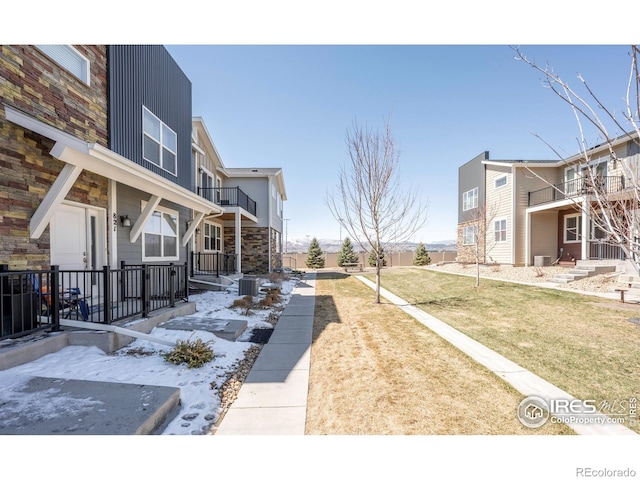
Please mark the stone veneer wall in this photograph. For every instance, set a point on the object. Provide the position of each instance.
(255, 248)
(32, 83)
(276, 258)
(466, 253)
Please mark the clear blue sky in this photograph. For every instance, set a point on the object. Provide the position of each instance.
(289, 106)
(278, 83)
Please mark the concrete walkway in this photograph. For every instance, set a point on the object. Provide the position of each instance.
(521, 379)
(273, 398)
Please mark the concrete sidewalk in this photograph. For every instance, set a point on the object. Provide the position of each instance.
(521, 379)
(273, 398)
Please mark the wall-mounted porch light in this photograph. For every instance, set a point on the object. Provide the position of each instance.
(125, 221)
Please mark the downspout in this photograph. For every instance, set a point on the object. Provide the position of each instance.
(269, 219)
(513, 216)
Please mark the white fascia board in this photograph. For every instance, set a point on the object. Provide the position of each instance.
(107, 163)
(200, 125)
(554, 205)
(241, 211)
(30, 123)
(98, 159)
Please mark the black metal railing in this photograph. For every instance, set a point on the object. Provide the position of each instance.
(228, 196)
(212, 263)
(37, 300)
(575, 188)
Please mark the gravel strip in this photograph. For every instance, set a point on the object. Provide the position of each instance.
(604, 283)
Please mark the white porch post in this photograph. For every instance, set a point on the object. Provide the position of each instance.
(527, 240)
(238, 243)
(585, 235)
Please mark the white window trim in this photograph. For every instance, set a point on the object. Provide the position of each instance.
(161, 209)
(473, 194)
(506, 181)
(464, 235)
(161, 143)
(45, 49)
(578, 228)
(213, 239)
(506, 231)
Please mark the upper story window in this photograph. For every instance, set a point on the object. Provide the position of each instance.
(160, 236)
(68, 58)
(470, 199)
(160, 143)
(501, 181)
(206, 184)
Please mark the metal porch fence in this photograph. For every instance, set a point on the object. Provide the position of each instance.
(32, 301)
(213, 263)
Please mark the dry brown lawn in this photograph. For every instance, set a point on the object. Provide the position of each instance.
(376, 371)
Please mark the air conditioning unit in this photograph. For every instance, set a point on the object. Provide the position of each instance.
(248, 286)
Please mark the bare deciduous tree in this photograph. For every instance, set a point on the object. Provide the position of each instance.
(478, 221)
(613, 204)
(368, 200)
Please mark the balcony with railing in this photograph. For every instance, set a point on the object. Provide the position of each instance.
(228, 197)
(576, 188)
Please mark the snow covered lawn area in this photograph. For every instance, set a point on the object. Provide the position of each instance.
(142, 362)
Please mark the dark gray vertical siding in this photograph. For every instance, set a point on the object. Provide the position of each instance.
(129, 203)
(148, 75)
(471, 175)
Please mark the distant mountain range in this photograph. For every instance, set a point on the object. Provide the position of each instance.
(301, 245)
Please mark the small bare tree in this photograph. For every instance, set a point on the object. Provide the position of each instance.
(368, 200)
(478, 221)
(614, 207)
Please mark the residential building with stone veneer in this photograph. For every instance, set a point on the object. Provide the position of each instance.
(261, 242)
(91, 136)
(103, 163)
(52, 100)
(249, 230)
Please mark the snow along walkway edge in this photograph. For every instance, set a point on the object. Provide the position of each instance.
(520, 378)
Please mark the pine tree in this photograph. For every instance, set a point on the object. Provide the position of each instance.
(346, 253)
(372, 259)
(314, 255)
(421, 256)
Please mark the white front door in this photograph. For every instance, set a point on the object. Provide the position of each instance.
(68, 229)
(77, 237)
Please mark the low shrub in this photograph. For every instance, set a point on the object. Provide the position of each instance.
(193, 353)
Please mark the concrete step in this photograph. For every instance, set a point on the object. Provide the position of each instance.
(88, 408)
(582, 271)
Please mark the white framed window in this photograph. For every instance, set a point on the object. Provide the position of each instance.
(68, 58)
(159, 142)
(500, 230)
(501, 181)
(573, 228)
(571, 181)
(206, 184)
(160, 236)
(470, 199)
(212, 237)
(469, 235)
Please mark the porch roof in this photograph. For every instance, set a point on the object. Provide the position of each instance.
(81, 155)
